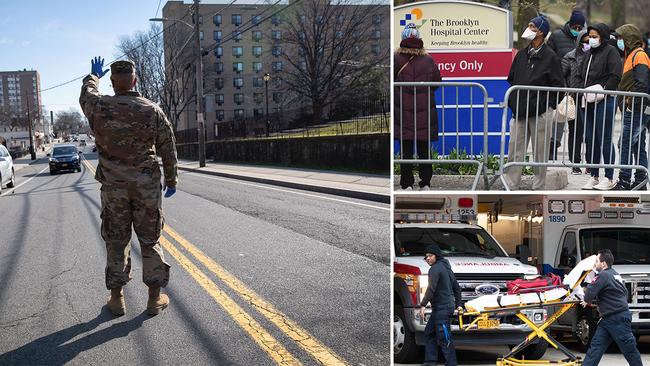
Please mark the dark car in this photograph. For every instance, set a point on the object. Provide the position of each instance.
(64, 157)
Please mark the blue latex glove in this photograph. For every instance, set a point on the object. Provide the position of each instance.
(96, 66)
(169, 191)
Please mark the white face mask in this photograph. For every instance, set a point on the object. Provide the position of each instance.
(594, 42)
(529, 34)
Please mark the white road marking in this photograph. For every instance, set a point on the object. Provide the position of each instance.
(289, 191)
(16, 187)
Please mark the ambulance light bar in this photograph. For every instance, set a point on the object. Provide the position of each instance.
(433, 218)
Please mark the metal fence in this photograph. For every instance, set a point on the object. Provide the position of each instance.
(462, 113)
(600, 119)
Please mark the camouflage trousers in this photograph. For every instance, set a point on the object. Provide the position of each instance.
(140, 208)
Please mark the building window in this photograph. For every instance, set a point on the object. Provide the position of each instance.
(338, 34)
(220, 115)
(256, 19)
(218, 98)
(236, 19)
(276, 19)
(239, 113)
(376, 19)
(356, 50)
(237, 51)
(238, 98)
(375, 49)
(277, 97)
(302, 36)
(303, 19)
(218, 67)
(217, 19)
(238, 82)
(277, 83)
(258, 112)
(238, 67)
(303, 65)
(276, 35)
(201, 35)
(377, 34)
(258, 81)
(277, 51)
(258, 97)
(218, 52)
(257, 51)
(257, 66)
(277, 65)
(194, 19)
(236, 35)
(218, 83)
(320, 19)
(257, 36)
(217, 36)
(340, 19)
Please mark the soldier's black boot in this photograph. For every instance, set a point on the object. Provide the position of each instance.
(116, 303)
(157, 301)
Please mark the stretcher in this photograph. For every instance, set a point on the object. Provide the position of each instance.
(484, 309)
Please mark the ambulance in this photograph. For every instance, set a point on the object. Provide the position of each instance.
(480, 264)
(561, 230)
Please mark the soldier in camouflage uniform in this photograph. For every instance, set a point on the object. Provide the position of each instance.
(129, 131)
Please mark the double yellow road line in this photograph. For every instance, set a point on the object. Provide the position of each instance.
(276, 351)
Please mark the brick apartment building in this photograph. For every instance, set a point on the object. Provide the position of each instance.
(245, 42)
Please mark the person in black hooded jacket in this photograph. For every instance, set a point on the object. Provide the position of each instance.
(443, 292)
(601, 69)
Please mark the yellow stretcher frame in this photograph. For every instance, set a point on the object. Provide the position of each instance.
(538, 331)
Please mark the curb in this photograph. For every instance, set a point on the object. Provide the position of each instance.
(368, 196)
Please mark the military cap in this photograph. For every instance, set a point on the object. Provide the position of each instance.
(123, 67)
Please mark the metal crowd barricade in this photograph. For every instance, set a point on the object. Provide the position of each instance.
(636, 104)
(479, 158)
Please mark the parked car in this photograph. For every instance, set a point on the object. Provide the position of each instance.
(82, 143)
(64, 157)
(7, 175)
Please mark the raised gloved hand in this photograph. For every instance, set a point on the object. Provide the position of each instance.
(169, 191)
(97, 66)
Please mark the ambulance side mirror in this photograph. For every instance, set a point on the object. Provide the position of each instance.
(523, 253)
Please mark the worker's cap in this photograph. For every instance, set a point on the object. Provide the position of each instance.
(123, 67)
(433, 249)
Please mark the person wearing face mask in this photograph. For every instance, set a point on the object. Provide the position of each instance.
(636, 72)
(537, 65)
(601, 69)
(571, 71)
(563, 41)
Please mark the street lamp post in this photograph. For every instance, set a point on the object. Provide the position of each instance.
(199, 80)
(267, 77)
(32, 152)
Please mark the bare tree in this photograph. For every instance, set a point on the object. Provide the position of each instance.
(162, 78)
(329, 50)
(69, 122)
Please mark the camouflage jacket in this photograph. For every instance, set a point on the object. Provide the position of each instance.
(129, 131)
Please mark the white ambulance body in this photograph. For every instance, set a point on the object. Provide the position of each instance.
(480, 264)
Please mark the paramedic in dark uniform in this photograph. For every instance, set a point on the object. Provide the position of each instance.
(443, 292)
(615, 324)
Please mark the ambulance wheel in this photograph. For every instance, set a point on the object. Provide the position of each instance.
(404, 348)
(585, 330)
(533, 352)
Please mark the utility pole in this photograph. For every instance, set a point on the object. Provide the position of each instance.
(51, 123)
(31, 134)
(199, 86)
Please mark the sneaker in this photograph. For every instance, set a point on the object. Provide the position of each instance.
(591, 183)
(622, 185)
(605, 185)
(576, 171)
(425, 188)
(407, 188)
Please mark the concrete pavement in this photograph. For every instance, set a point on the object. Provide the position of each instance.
(354, 185)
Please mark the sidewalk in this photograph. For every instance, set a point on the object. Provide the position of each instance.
(354, 185)
(27, 160)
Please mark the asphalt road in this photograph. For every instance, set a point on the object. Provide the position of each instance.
(260, 276)
(488, 355)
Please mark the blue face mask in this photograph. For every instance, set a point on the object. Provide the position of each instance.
(620, 44)
(574, 32)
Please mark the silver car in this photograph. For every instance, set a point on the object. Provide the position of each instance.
(7, 176)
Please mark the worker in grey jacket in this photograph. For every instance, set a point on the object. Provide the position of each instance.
(443, 292)
(615, 324)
